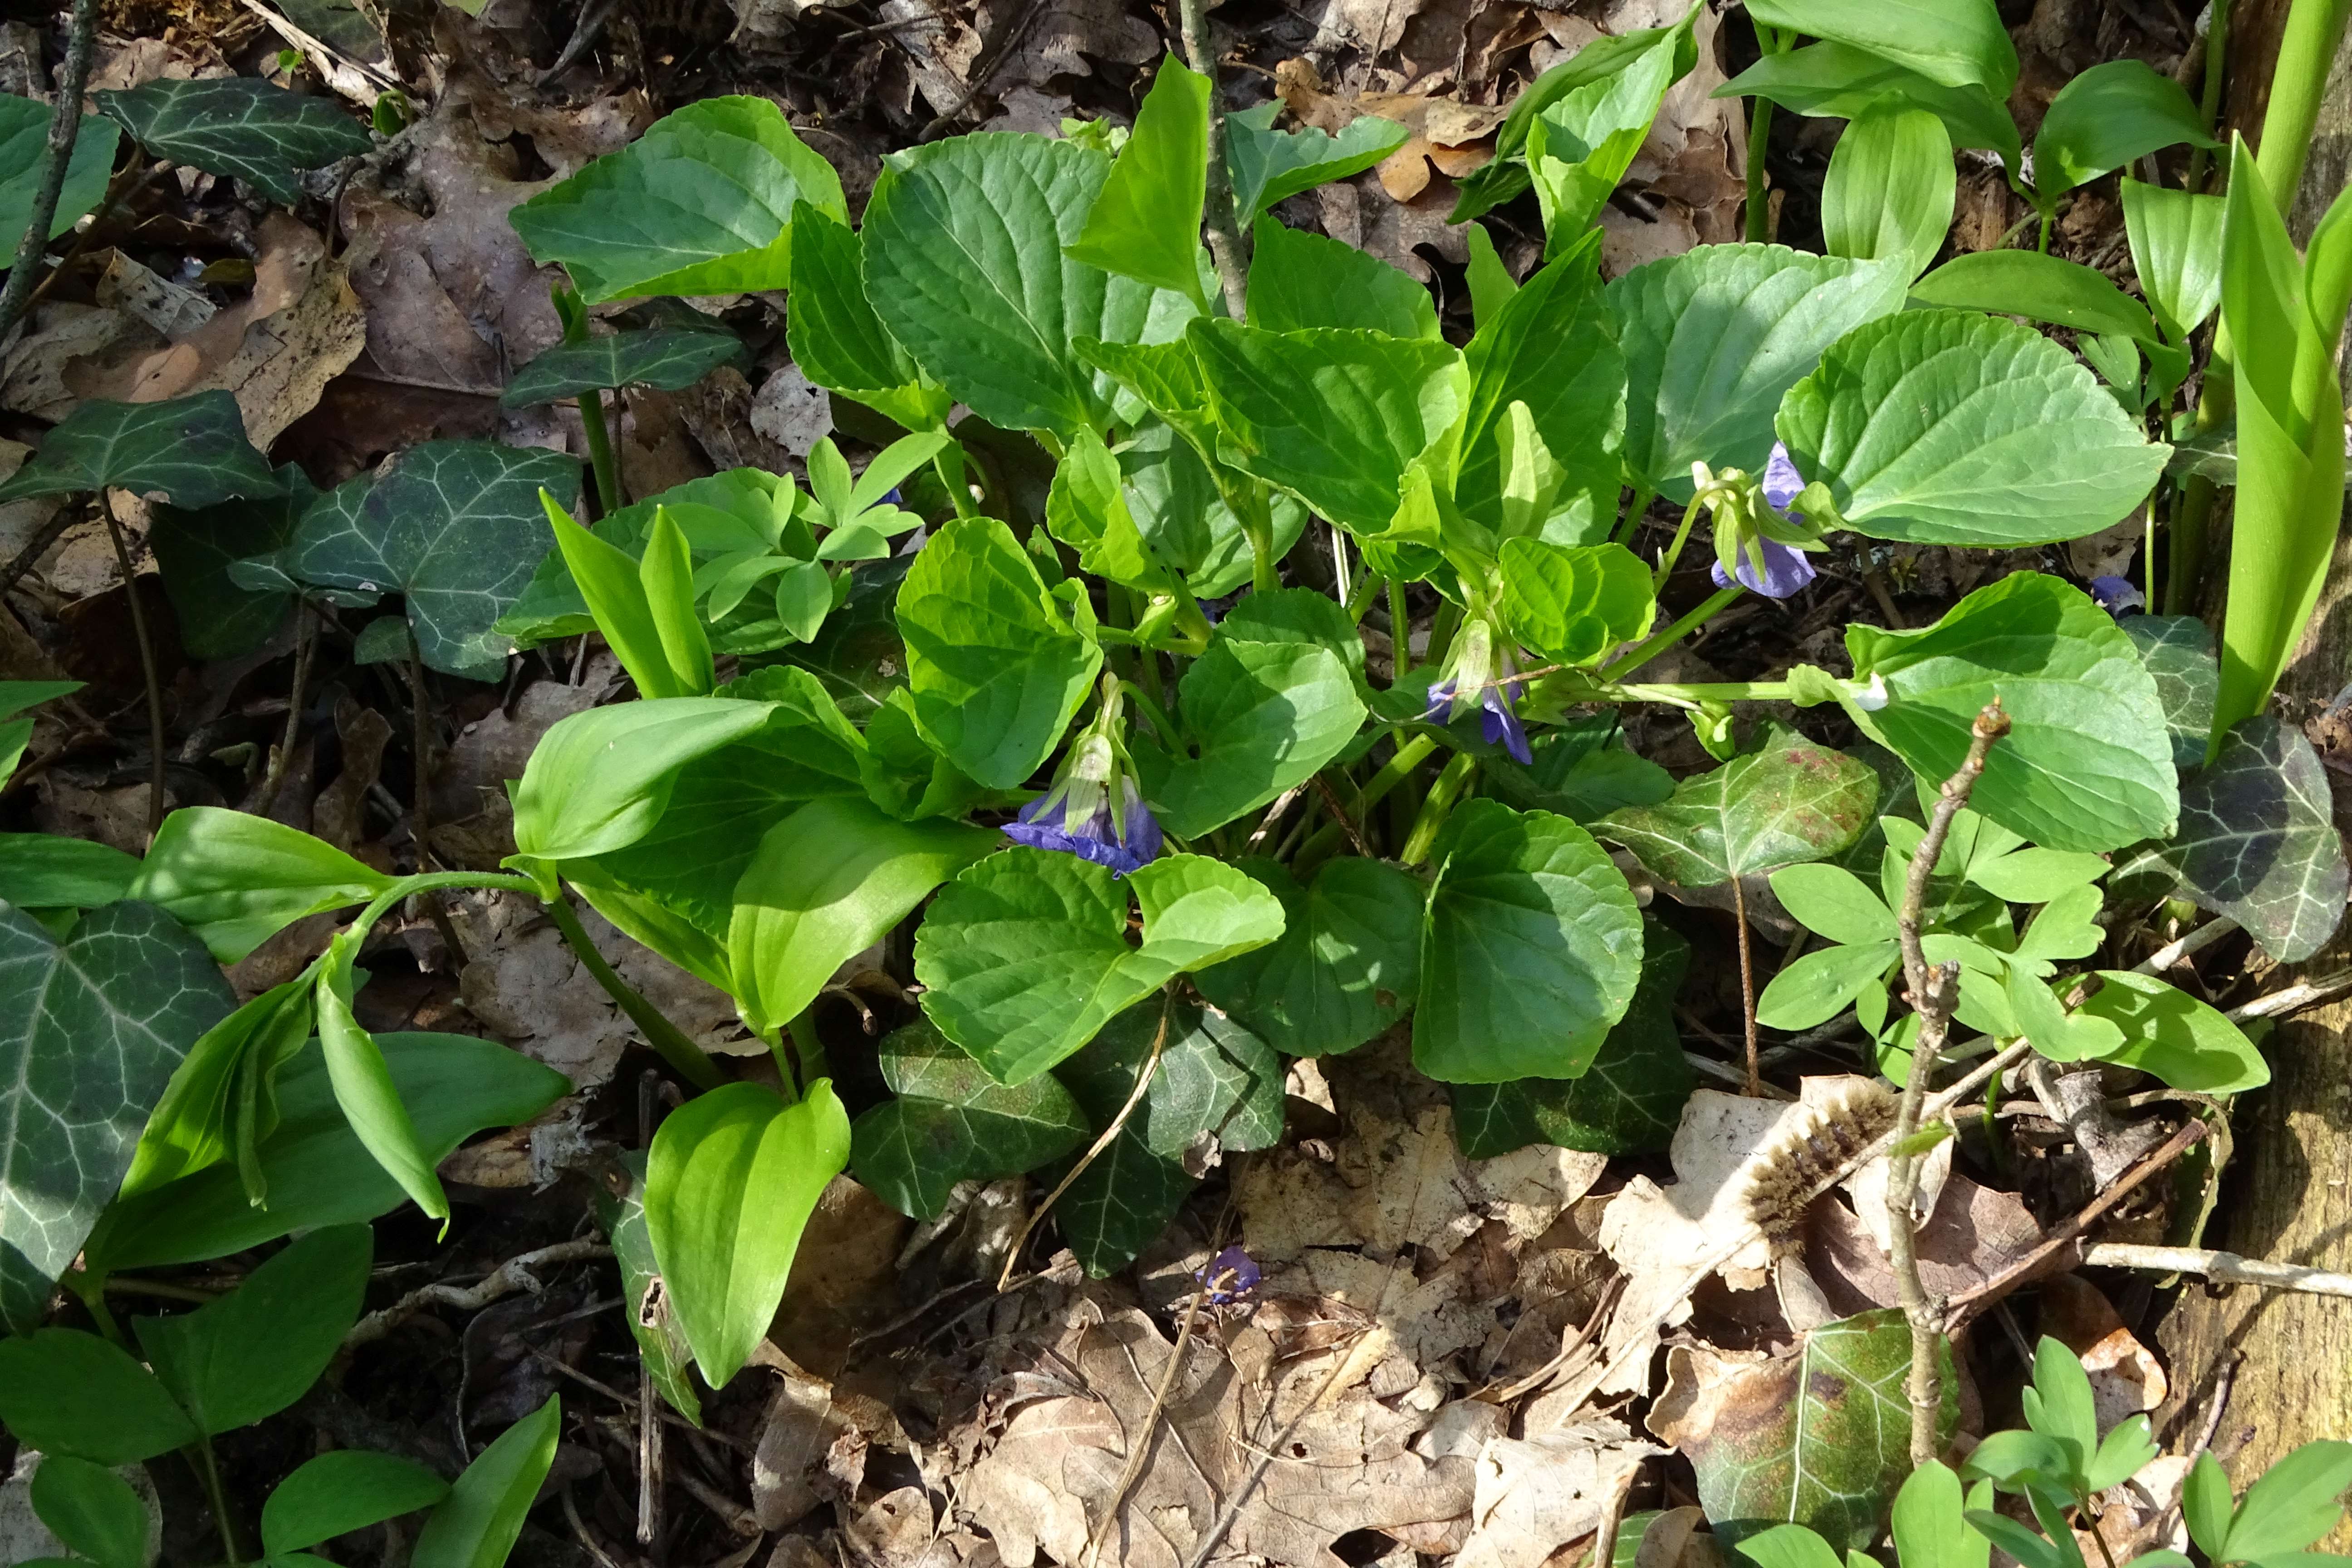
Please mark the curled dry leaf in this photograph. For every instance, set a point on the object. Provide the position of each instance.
(1539, 1493)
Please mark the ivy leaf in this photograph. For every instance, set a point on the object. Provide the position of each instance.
(1573, 604)
(700, 203)
(2088, 764)
(238, 126)
(1792, 801)
(190, 450)
(455, 526)
(90, 1031)
(2258, 840)
(1299, 280)
(1348, 964)
(1629, 1101)
(1218, 1085)
(1024, 956)
(1531, 952)
(952, 1122)
(1268, 165)
(1713, 337)
(667, 359)
(218, 616)
(1820, 1438)
(24, 160)
(1949, 427)
(2179, 655)
(996, 671)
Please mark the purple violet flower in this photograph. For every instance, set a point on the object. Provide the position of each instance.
(1124, 842)
(1230, 1276)
(1782, 484)
(1786, 570)
(2116, 595)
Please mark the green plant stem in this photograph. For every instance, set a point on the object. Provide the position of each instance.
(2217, 44)
(1708, 608)
(602, 461)
(65, 122)
(1160, 722)
(683, 1055)
(200, 1460)
(1631, 523)
(808, 1047)
(2298, 87)
(1400, 631)
(1360, 599)
(1442, 627)
(949, 463)
(2049, 217)
(1328, 838)
(1674, 546)
(1770, 41)
(1436, 807)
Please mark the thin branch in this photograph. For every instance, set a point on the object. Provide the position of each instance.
(515, 1274)
(1093, 1152)
(1143, 1444)
(306, 641)
(1747, 983)
(2294, 998)
(65, 122)
(2225, 1268)
(1935, 993)
(146, 665)
(1218, 212)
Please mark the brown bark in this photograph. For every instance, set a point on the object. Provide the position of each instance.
(2289, 1198)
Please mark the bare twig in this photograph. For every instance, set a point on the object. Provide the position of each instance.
(1232, 1511)
(146, 665)
(38, 545)
(1935, 993)
(1117, 1124)
(2294, 998)
(515, 1274)
(1141, 1445)
(65, 122)
(2226, 1267)
(1222, 222)
(1747, 983)
(306, 641)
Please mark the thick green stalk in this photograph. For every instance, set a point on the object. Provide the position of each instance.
(2298, 86)
(2209, 108)
(1770, 41)
(1329, 836)
(1436, 807)
(683, 1055)
(602, 459)
(1707, 609)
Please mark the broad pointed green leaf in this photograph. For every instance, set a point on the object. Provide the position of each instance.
(2041, 288)
(2176, 244)
(666, 358)
(1348, 964)
(600, 780)
(455, 528)
(700, 203)
(834, 336)
(1531, 952)
(1599, 59)
(191, 451)
(364, 1087)
(341, 1490)
(44, 872)
(1299, 280)
(63, 1391)
(1260, 713)
(951, 1122)
(1791, 801)
(2178, 652)
(93, 1510)
(1890, 187)
(1629, 1101)
(2258, 840)
(1268, 164)
(235, 879)
(1146, 223)
(2107, 118)
(2086, 764)
(1581, 143)
(91, 1028)
(477, 1524)
(1947, 428)
(1822, 984)
(24, 160)
(246, 1356)
(1023, 958)
(1961, 43)
(1174, 501)
(668, 1359)
(1841, 82)
(1712, 339)
(2295, 1502)
(1573, 604)
(1552, 345)
(2170, 1034)
(240, 126)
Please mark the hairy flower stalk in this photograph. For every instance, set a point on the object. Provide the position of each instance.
(1095, 809)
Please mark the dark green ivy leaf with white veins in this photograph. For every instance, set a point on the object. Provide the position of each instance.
(952, 1122)
(669, 358)
(238, 126)
(191, 451)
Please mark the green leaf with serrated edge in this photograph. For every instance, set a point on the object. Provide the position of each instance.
(2176, 245)
(238, 126)
(1822, 984)
(1175, 501)
(2086, 763)
(668, 360)
(833, 334)
(1792, 801)
(1948, 427)
(825, 884)
(235, 879)
(1961, 43)
(1819, 1438)
(1573, 604)
(92, 1509)
(2041, 288)
(1259, 718)
(732, 1179)
(662, 1347)
(700, 203)
(1086, 510)
(2294, 1503)
(24, 161)
(1146, 222)
(1531, 951)
(244, 1357)
(1839, 82)
(191, 451)
(1334, 416)
(1024, 957)
(996, 670)
(313, 1166)
(457, 527)
(335, 1493)
(1484, 189)
(41, 871)
(1629, 1101)
(599, 781)
(1712, 339)
(66, 1392)
(1890, 187)
(218, 617)
(1552, 345)
(2258, 840)
(951, 1122)
(1268, 165)
(2180, 654)
(2109, 118)
(1347, 965)
(475, 1525)
(1299, 280)
(363, 1088)
(1216, 1082)
(964, 265)
(90, 1031)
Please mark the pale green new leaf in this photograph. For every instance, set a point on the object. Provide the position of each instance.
(1890, 187)
(1268, 164)
(1581, 144)
(235, 879)
(1837, 82)
(1146, 223)
(600, 780)
(1551, 346)
(2176, 245)
(1959, 43)
(1575, 604)
(2170, 1034)
(364, 1089)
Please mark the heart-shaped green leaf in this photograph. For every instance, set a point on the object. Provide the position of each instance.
(246, 1356)
(1261, 716)
(666, 358)
(838, 340)
(238, 126)
(1146, 223)
(1299, 280)
(1531, 952)
(1574, 603)
(219, 617)
(1347, 965)
(700, 203)
(1024, 957)
(90, 1029)
(1791, 801)
(24, 160)
(191, 451)
(1948, 427)
(952, 1122)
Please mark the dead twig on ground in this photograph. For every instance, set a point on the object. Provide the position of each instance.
(515, 1274)
(65, 123)
(2223, 1267)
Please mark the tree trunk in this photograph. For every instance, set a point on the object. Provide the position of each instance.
(2288, 1357)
